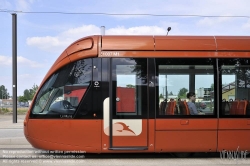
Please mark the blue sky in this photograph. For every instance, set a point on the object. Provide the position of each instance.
(42, 37)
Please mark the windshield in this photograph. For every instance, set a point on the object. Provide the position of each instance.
(63, 91)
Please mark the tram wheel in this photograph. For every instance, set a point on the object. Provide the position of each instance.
(183, 155)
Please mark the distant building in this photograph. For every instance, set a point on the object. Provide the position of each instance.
(6, 102)
(199, 92)
(172, 97)
(228, 91)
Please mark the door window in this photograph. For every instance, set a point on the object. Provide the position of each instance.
(130, 83)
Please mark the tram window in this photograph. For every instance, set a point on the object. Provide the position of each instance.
(126, 93)
(235, 86)
(130, 84)
(63, 91)
(177, 77)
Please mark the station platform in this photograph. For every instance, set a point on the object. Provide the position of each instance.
(11, 134)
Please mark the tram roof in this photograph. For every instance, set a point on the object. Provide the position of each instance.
(92, 46)
(176, 43)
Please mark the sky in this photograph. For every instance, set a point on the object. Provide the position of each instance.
(42, 37)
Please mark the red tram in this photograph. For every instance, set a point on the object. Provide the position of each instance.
(107, 94)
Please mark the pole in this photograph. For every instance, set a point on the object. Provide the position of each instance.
(102, 30)
(14, 66)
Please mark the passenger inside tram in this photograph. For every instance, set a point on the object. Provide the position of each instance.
(191, 106)
(177, 77)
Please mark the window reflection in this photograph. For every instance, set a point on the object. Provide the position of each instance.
(177, 77)
(63, 91)
(131, 86)
(235, 86)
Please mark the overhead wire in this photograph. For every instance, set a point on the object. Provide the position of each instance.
(124, 14)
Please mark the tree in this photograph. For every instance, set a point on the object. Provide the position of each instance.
(182, 93)
(3, 92)
(28, 94)
(34, 90)
(161, 96)
(22, 99)
(171, 93)
(130, 86)
(212, 87)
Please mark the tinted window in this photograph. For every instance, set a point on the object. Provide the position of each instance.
(235, 87)
(63, 91)
(177, 77)
(130, 87)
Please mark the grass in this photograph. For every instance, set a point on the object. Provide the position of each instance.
(20, 111)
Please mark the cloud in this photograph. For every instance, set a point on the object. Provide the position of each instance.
(177, 7)
(140, 30)
(23, 5)
(5, 5)
(60, 42)
(47, 43)
(18, 5)
(213, 21)
(21, 61)
(5, 60)
(26, 81)
(76, 33)
(246, 25)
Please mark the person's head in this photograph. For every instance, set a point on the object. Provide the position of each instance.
(191, 96)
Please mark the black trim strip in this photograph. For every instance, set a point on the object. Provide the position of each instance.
(217, 83)
(151, 89)
(110, 104)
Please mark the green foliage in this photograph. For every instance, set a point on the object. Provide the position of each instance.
(28, 94)
(212, 87)
(182, 93)
(20, 111)
(130, 86)
(171, 93)
(3, 92)
(4, 110)
(161, 96)
(33, 90)
(22, 99)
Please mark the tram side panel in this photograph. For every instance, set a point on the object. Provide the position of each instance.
(234, 134)
(186, 135)
(67, 135)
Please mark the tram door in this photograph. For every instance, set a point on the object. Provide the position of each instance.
(127, 126)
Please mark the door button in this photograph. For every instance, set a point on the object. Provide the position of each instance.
(117, 99)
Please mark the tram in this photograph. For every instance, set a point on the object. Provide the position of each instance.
(122, 94)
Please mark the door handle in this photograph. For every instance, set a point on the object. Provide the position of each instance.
(151, 84)
(117, 99)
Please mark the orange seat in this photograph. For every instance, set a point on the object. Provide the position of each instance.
(170, 108)
(162, 107)
(184, 108)
(241, 109)
(248, 108)
(234, 107)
